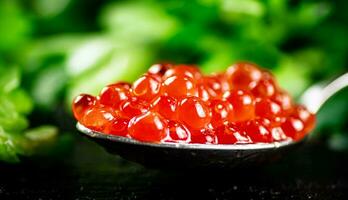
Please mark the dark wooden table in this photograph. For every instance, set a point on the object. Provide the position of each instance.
(313, 172)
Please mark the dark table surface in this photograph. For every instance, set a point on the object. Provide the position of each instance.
(312, 172)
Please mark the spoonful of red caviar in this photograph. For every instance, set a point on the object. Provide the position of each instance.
(178, 104)
(173, 108)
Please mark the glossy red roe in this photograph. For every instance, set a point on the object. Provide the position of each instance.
(232, 133)
(284, 100)
(264, 88)
(225, 86)
(159, 69)
(257, 131)
(81, 104)
(214, 86)
(267, 108)
(166, 106)
(183, 70)
(132, 107)
(221, 111)
(243, 74)
(112, 95)
(202, 92)
(294, 128)
(97, 118)
(147, 127)
(146, 87)
(193, 112)
(306, 117)
(277, 133)
(177, 132)
(118, 126)
(204, 136)
(243, 103)
(178, 104)
(178, 86)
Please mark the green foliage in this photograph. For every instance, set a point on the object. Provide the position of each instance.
(15, 26)
(50, 52)
(15, 103)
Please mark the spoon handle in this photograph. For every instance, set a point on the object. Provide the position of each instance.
(316, 96)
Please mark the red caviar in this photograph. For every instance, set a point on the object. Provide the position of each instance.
(148, 127)
(243, 103)
(166, 106)
(179, 104)
(82, 103)
(146, 87)
(112, 95)
(194, 113)
(179, 86)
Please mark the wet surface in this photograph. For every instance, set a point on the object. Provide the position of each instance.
(312, 172)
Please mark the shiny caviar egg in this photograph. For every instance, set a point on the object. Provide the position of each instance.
(166, 106)
(243, 74)
(159, 69)
(178, 86)
(81, 104)
(98, 118)
(284, 100)
(293, 127)
(243, 103)
(306, 117)
(178, 104)
(147, 127)
(146, 87)
(184, 70)
(214, 86)
(204, 136)
(257, 131)
(194, 113)
(232, 133)
(222, 111)
(278, 133)
(177, 133)
(132, 107)
(264, 89)
(202, 92)
(118, 126)
(223, 79)
(267, 108)
(112, 95)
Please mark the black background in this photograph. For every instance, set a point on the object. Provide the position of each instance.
(311, 172)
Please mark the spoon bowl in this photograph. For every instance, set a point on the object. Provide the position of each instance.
(194, 156)
(205, 156)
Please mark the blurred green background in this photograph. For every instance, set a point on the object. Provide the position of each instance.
(51, 51)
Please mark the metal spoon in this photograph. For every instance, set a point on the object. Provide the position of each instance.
(202, 156)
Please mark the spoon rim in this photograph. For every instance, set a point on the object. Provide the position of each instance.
(254, 146)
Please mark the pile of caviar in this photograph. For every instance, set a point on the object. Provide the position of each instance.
(178, 104)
